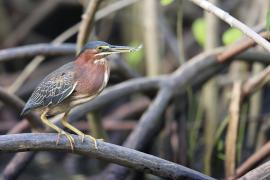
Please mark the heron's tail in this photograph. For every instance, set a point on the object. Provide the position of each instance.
(25, 111)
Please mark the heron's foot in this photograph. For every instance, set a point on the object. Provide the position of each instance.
(90, 137)
(69, 137)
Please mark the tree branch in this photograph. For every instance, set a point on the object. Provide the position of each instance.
(253, 160)
(261, 172)
(206, 5)
(30, 51)
(16, 103)
(17, 164)
(106, 151)
(87, 23)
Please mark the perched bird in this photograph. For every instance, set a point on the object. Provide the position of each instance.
(72, 84)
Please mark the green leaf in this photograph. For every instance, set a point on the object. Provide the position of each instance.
(199, 30)
(231, 35)
(134, 58)
(268, 19)
(165, 2)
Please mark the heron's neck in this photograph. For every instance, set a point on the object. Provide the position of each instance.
(85, 58)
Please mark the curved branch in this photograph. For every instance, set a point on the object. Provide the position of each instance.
(253, 160)
(150, 122)
(16, 103)
(261, 172)
(30, 51)
(17, 165)
(115, 92)
(149, 125)
(106, 151)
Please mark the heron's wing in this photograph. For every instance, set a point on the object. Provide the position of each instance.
(54, 88)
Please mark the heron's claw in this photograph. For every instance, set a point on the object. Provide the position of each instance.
(69, 137)
(92, 138)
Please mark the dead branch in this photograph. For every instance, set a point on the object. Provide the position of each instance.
(87, 23)
(253, 160)
(261, 172)
(30, 51)
(231, 137)
(106, 151)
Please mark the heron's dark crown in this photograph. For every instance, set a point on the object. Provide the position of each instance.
(94, 45)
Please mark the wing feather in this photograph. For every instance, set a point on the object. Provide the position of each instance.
(54, 88)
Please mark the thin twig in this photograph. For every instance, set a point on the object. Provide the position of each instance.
(87, 23)
(253, 160)
(257, 81)
(150, 23)
(106, 151)
(210, 90)
(239, 47)
(261, 172)
(38, 14)
(231, 137)
(25, 74)
(233, 22)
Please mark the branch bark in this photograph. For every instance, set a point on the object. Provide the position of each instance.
(231, 136)
(106, 151)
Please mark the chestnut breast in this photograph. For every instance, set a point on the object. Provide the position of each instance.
(92, 77)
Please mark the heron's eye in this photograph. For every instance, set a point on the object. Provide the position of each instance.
(100, 48)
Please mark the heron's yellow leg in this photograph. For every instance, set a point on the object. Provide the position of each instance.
(77, 131)
(57, 129)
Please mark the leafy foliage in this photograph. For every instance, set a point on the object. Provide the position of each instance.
(199, 30)
(231, 35)
(166, 2)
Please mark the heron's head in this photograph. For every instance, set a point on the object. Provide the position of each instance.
(100, 49)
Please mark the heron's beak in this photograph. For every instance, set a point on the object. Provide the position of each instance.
(123, 49)
(112, 49)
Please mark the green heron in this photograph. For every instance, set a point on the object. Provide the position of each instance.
(72, 84)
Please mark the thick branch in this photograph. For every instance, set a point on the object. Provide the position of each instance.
(149, 125)
(106, 151)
